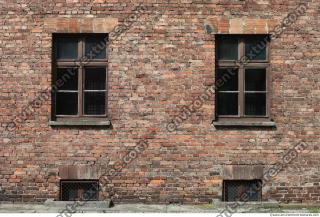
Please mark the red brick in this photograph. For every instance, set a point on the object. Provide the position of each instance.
(156, 69)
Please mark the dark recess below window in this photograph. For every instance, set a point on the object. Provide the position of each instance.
(74, 190)
(242, 190)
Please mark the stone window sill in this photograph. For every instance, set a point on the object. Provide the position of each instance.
(98, 123)
(244, 124)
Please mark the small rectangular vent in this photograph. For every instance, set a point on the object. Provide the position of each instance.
(242, 190)
(74, 190)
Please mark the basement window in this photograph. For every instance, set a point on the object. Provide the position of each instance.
(242, 190)
(74, 190)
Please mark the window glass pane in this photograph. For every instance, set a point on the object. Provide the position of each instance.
(255, 80)
(227, 48)
(228, 104)
(67, 79)
(67, 48)
(95, 47)
(255, 48)
(67, 103)
(255, 104)
(227, 80)
(94, 103)
(95, 79)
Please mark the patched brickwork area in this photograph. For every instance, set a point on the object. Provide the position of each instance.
(155, 134)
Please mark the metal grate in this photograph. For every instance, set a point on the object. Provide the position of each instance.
(71, 190)
(242, 190)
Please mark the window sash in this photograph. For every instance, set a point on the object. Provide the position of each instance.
(81, 92)
(241, 94)
(67, 63)
(252, 64)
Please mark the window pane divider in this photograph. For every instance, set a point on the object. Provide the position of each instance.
(228, 91)
(97, 61)
(81, 91)
(256, 65)
(228, 64)
(255, 91)
(67, 64)
(246, 66)
(94, 91)
(93, 63)
(241, 80)
(67, 91)
(89, 63)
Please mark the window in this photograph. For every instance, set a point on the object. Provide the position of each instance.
(242, 190)
(80, 76)
(242, 83)
(71, 190)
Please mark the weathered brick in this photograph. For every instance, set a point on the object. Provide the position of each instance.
(157, 66)
(236, 26)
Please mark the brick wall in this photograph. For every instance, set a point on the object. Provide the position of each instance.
(156, 67)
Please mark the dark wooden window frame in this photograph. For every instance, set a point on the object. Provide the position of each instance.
(76, 63)
(236, 64)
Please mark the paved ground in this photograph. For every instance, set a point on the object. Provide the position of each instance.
(38, 208)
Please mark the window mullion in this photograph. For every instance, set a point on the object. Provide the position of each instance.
(80, 86)
(241, 91)
(267, 91)
(241, 79)
(106, 93)
(81, 94)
